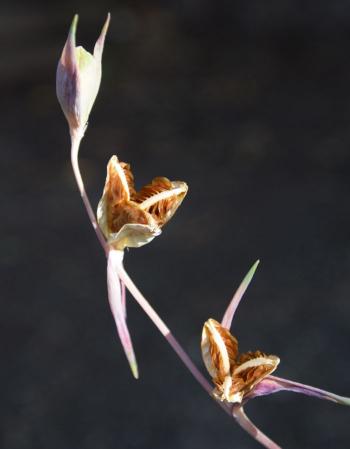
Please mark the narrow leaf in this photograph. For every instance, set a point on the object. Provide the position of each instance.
(273, 384)
(123, 293)
(115, 301)
(232, 307)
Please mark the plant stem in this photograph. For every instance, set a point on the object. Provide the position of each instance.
(163, 328)
(248, 426)
(127, 281)
(125, 278)
(75, 143)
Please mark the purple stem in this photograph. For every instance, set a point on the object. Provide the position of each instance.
(248, 426)
(75, 141)
(127, 281)
(163, 328)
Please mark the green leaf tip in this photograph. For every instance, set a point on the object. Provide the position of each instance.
(134, 368)
(232, 307)
(249, 276)
(343, 400)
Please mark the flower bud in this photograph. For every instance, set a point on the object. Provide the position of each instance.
(78, 78)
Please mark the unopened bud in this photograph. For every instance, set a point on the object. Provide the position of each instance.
(78, 78)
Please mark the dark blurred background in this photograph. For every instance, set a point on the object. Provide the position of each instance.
(249, 102)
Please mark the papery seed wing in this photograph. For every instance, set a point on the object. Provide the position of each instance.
(111, 215)
(124, 213)
(133, 236)
(252, 368)
(129, 177)
(161, 198)
(219, 349)
(159, 184)
(119, 182)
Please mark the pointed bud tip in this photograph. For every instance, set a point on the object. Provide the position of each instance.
(106, 25)
(98, 50)
(73, 27)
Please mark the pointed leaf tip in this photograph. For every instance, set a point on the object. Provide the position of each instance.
(232, 307)
(250, 274)
(130, 355)
(115, 301)
(134, 369)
